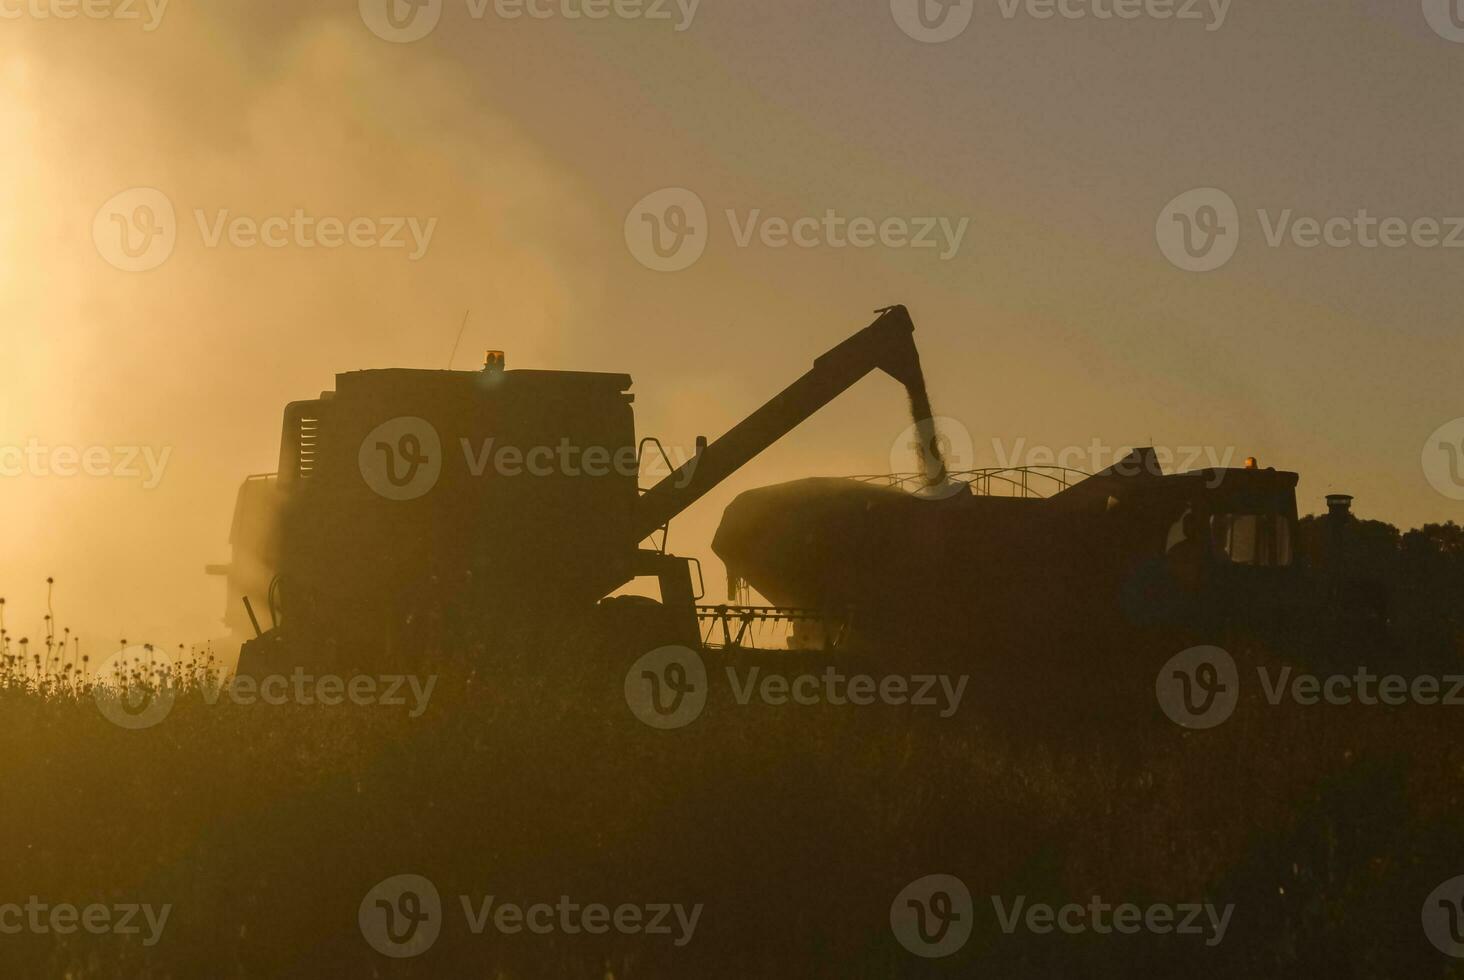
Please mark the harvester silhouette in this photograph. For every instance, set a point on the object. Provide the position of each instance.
(408, 511)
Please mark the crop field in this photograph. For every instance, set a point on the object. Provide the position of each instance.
(762, 839)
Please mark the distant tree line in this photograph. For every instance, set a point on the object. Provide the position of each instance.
(1378, 585)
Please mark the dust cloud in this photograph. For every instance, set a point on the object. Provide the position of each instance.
(134, 402)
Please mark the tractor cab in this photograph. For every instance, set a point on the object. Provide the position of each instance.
(1222, 542)
(1210, 545)
(1235, 537)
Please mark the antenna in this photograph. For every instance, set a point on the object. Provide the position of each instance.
(466, 314)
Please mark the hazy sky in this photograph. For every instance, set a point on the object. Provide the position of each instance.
(1053, 321)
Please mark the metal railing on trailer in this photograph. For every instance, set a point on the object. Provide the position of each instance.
(733, 627)
(999, 481)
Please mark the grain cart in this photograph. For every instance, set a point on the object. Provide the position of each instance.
(1129, 546)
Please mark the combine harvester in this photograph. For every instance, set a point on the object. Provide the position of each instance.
(386, 531)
